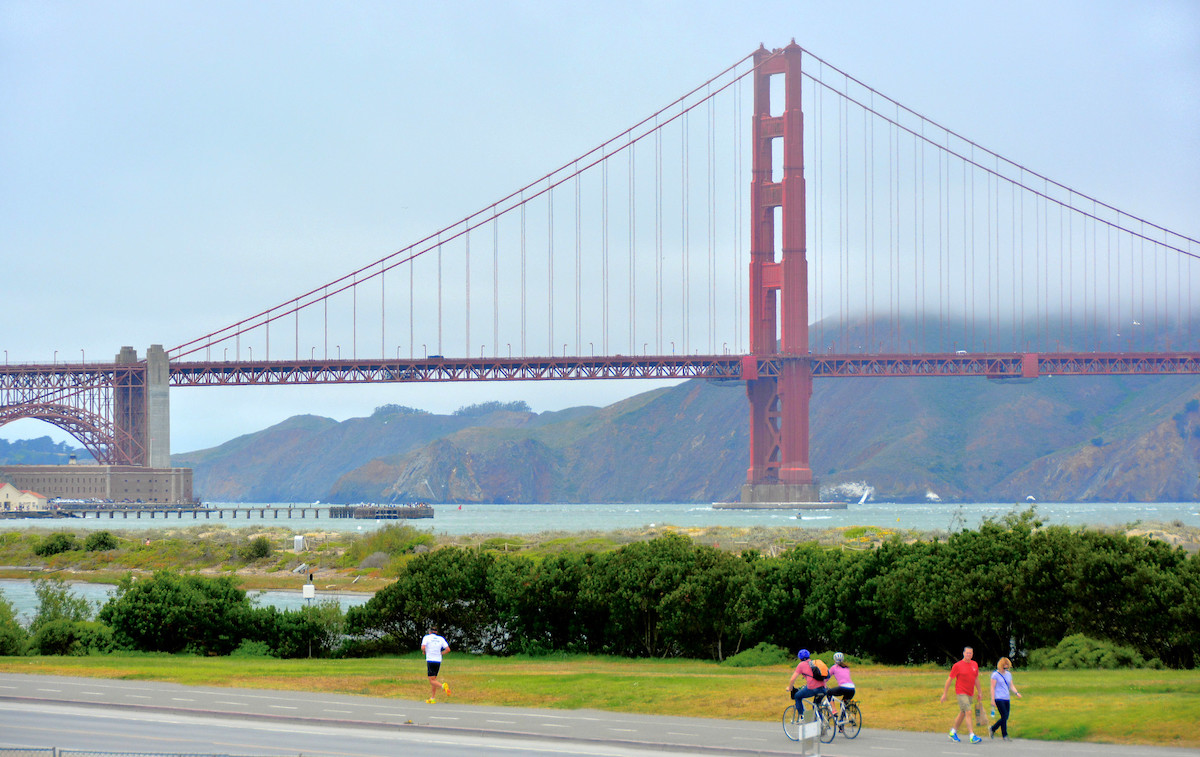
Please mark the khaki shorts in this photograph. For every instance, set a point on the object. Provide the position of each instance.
(964, 703)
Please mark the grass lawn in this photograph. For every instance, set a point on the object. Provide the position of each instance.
(1089, 705)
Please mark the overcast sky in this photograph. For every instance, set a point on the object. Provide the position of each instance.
(168, 168)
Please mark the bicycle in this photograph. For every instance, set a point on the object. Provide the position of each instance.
(849, 718)
(792, 721)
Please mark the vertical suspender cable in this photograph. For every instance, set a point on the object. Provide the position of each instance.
(439, 294)
(550, 268)
(686, 246)
(382, 312)
(524, 350)
(604, 253)
(467, 292)
(578, 267)
(736, 278)
(658, 239)
(712, 230)
(495, 284)
(411, 320)
(868, 219)
(632, 249)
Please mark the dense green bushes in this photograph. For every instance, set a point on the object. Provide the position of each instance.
(56, 543)
(1078, 652)
(13, 637)
(1008, 588)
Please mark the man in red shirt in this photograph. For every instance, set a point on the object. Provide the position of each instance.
(965, 674)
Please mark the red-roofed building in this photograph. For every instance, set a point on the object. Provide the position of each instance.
(14, 500)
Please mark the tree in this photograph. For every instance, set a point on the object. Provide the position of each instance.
(310, 631)
(99, 541)
(57, 603)
(13, 637)
(446, 588)
(170, 612)
(632, 583)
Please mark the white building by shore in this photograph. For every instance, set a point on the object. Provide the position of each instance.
(14, 500)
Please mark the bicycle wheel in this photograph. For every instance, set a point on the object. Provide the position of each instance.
(828, 727)
(853, 720)
(791, 722)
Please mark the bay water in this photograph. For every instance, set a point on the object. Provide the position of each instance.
(455, 520)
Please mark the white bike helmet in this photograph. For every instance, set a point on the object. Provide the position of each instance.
(838, 657)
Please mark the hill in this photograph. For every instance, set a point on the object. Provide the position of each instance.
(1057, 439)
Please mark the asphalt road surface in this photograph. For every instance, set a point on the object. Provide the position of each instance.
(146, 716)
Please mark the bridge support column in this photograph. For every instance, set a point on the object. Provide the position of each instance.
(779, 469)
(142, 409)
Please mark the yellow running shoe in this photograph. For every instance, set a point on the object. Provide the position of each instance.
(431, 700)
(446, 687)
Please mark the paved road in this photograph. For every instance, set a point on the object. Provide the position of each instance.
(473, 729)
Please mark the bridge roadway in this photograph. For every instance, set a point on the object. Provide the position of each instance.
(362, 512)
(158, 712)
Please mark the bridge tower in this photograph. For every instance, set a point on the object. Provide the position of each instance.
(779, 405)
(142, 410)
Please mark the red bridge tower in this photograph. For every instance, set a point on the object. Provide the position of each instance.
(779, 405)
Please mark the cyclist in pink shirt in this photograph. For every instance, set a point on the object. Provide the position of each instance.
(845, 686)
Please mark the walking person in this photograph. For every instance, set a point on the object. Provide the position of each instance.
(845, 685)
(965, 675)
(434, 647)
(813, 686)
(1002, 684)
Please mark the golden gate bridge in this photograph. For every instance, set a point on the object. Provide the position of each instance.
(781, 222)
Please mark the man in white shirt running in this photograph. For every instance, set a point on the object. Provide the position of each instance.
(434, 646)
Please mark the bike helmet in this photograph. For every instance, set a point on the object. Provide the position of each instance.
(802, 654)
(839, 657)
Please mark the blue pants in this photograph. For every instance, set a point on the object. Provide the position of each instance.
(799, 695)
(1002, 706)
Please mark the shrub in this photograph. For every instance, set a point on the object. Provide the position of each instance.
(1078, 652)
(100, 541)
(170, 612)
(56, 602)
(375, 560)
(56, 543)
(13, 637)
(760, 655)
(258, 548)
(250, 648)
(72, 637)
(392, 539)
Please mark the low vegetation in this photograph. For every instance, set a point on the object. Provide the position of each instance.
(1070, 705)
(626, 621)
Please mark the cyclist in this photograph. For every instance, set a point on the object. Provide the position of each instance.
(813, 687)
(845, 686)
